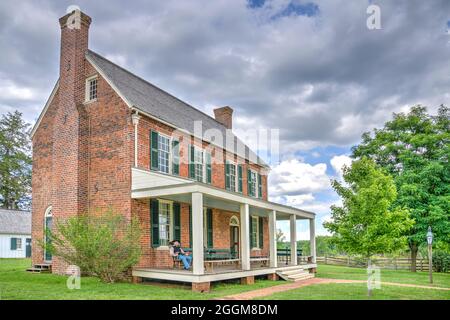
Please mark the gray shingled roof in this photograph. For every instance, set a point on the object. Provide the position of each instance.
(152, 100)
(15, 222)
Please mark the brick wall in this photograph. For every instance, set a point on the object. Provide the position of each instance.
(147, 124)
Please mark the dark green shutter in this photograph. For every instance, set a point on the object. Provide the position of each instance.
(175, 157)
(176, 221)
(250, 227)
(190, 227)
(249, 183)
(240, 178)
(261, 232)
(227, 175)
(209, 227)
(154, 160)
(13, 243)
(154, 213)
(191, 162)
(259, 186)
(208, 168)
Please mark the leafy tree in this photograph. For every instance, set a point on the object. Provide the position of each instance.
(104, 245)
(15, 162)
(414, 148)
(280, 236)
(366, 224)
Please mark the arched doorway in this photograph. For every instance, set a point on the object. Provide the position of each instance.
(234, 237)
(47, 226)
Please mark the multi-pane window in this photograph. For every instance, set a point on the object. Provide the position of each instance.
(232, 172)
(163, 153)
(255, 232)
(198, 164)
(165, 209)
(91, 89)
(253, 183)
(19, 243)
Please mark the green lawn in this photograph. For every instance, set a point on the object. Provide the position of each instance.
(358, 291)
(399, 276)
(16, 284)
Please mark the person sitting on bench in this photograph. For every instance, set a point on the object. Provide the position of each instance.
(177, 251)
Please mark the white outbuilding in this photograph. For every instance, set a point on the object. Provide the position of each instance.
(15, 234)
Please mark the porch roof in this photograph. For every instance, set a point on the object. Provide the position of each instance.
(217, 198)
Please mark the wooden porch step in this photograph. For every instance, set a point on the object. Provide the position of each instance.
(299, 277)
(40, 267)
(294, 273)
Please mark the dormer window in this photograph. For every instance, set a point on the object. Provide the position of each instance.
(91, 89)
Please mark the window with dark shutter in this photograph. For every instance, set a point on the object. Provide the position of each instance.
(209, 228)
(154, 208)
(240, 178)
(175, 157)
(176, 221)
(154, 159)
(13, 243)
(227, 175)
(190, 227)
(191, 162)
(259, 186)
(261, 232)
(208, 168)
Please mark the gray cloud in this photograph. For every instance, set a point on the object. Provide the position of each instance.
(322, 80)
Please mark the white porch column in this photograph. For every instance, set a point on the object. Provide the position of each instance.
(273, 238)
(245, 236)
(197, 233)
(135, 119)
(312, 238)
(293, 221)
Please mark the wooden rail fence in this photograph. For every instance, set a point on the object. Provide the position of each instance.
(384, 263)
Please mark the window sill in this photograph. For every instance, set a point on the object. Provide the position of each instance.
(256, 249)
(163, 248)
(90, 101)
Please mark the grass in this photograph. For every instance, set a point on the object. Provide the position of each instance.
(399, 276)
(358, 291)
(17, 284)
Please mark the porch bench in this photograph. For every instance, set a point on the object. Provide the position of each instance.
(218, 254)
(263, 259)
(209, 264)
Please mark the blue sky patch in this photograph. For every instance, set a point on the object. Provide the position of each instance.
(299, 9)
(255, 3)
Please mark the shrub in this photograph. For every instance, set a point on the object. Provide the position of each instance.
(103, 245)
(441, 261)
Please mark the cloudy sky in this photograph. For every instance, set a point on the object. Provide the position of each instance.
(311, 69)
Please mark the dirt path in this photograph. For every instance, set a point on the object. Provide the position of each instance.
(294, 285)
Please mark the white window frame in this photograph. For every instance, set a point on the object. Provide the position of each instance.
(170, 153)
(87, 92)
(170, 204)
(255, 231)
(202, 150)
(236, 177)
(19, 245)
(255, 184)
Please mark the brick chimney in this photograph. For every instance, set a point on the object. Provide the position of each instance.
(224, 115)
(70, 124)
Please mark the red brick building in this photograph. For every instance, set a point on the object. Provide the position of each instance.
(107, 138)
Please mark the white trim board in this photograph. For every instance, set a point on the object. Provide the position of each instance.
(44, 111)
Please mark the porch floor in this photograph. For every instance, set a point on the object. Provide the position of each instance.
(219, 273)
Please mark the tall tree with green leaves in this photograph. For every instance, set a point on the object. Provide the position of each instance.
(366, 224)
(414, 148)
(15, 162)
